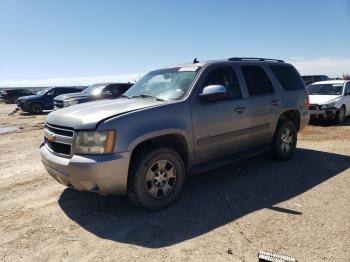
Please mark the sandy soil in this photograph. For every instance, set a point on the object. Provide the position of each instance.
(300, 208)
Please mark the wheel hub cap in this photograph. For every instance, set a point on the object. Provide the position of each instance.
(287, 140)
(160, 179)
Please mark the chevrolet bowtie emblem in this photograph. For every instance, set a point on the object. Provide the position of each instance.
(51, 138)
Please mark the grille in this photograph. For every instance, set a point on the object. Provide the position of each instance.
(64, 131)
(313, 107)
(58, 147)
(64, 137)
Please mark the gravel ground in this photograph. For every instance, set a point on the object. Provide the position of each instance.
(300, 208)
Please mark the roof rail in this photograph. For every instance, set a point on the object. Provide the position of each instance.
(254, 59)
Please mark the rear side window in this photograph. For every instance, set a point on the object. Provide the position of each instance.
(258, 83)
(288, 77)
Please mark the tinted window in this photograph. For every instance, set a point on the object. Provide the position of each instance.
(347, 88)
(258, 82)
(224, 76)
(115, 90)
(26, 92)
(288, 77)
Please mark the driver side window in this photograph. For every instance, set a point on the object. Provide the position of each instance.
(225, 76)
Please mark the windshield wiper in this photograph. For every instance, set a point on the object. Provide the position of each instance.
(125, 96)
(148, 96)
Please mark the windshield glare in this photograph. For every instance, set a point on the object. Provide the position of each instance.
(42, 92)
(93, 89)
(165, 84)
(325, 89)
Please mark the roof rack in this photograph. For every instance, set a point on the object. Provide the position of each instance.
(254, 59)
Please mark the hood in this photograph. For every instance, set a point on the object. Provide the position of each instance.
(323, 99)
(71, 95)
(88, 115)
(31, 97)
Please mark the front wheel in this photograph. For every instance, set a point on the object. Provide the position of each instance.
(36, 108)
(340, 117)
(156, 178)
(285, 140)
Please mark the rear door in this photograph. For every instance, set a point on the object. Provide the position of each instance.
(220, 128)
(263, 103)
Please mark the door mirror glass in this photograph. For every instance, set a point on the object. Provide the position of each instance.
(107, 93)
(213, 93)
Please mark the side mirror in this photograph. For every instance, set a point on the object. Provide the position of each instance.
(107, 93)
(213, 93)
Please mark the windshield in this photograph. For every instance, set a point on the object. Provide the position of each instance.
(93, 89)
(325, 89)
(42, 92)
(164, 84)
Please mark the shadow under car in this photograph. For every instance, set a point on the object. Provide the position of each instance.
(208, 201)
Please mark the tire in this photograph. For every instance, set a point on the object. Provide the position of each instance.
(340, 117)
(36, 108)
(285, 141)
(156, 178)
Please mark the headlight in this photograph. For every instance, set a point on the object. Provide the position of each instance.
(69, 102)
(95, 142)
(330, 105)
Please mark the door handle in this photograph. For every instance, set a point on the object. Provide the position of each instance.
(275, 102)
(240, 109)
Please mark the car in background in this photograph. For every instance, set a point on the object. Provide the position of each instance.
(330, 100)
(44, 99)
(309, 79)
(92, 93)
(9, 96)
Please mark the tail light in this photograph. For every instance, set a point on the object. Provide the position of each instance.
(307, 101)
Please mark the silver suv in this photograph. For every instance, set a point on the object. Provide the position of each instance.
(175, 121)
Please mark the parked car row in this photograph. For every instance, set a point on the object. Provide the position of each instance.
(176, 120)
(9, 96)
(59, 97)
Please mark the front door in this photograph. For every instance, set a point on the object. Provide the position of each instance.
(220, 127)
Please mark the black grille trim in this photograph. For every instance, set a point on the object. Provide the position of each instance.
(58, 147)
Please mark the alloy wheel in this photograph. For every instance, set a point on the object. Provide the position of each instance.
(287, 140)
(160, 179)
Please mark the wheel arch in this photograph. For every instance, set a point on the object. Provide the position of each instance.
(292, 115)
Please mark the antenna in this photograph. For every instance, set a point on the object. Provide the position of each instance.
(195, 61)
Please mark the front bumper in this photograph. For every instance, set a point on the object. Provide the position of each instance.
(104, 174)
(24, 106)
(327, 113)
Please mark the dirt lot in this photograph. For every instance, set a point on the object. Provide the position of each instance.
(300, 207)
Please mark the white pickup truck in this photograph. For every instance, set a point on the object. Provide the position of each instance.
(330, 100)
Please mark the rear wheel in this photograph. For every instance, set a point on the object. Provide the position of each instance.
(340, 117)
(36, 108)
(156, 178)
(285, 140)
